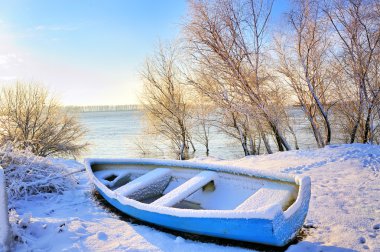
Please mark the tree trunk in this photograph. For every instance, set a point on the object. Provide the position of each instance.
(313, 124)
(367, 128)
(266, 143)
(328, 127)
(265, 140)
(281, 141)
(192, 144)
(316, 132)
(320, 106)
(354, 130)
(253, 145)
(243, 140)
(184, 146)
(295, 137)
(258, 146)
(361, 109)
(182, 152)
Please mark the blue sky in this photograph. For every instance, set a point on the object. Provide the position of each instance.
(87, 51)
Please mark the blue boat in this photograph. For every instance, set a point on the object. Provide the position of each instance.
(206, 199)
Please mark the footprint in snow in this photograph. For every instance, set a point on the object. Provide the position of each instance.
(81, 231)
(372, 235)
(362, 240)
(102, 236)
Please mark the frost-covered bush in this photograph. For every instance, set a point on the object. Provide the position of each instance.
(33, 118)
(27, 174)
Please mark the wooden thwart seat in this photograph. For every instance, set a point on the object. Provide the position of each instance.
(267, 195)
(158, 176)
(186, 189)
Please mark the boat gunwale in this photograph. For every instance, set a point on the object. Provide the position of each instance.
(270, 212)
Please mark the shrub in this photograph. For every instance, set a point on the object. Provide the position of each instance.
(27, 174)
(30, 117)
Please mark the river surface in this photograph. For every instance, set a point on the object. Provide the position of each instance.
(119, 134)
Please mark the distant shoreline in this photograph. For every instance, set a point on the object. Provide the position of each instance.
(104, 108)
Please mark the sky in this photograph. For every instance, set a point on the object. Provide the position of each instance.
(87, 52)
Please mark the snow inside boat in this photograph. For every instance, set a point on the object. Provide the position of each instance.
(206, 199)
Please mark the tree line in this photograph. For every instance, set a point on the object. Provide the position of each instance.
(103, 108)
(232, 70)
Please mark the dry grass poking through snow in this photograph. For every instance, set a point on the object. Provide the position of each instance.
(27, 174)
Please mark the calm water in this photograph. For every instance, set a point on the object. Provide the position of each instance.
(116, 134)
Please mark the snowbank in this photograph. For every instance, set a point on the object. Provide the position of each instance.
(344, 212)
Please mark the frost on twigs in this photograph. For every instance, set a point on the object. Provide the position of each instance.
(27, 174)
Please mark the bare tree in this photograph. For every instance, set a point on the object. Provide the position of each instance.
(34, 120)
(227, 118)
(237, 126)
(282, 98)
(357, 25)
(163, 98)
(227, 41)
(305, 65)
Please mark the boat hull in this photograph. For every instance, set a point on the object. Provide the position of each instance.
(249, 230)
(278, 230)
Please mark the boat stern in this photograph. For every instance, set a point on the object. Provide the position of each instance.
(288, 224)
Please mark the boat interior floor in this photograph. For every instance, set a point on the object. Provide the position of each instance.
(197, 189)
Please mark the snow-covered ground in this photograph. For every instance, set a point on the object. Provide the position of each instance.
(344, 212)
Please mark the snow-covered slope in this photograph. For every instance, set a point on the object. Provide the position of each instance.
(344, 212)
